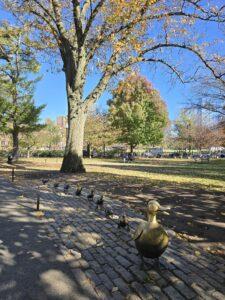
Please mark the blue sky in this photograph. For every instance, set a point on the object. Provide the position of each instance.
(51, 91)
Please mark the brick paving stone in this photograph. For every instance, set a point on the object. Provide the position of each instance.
(110, 251)
(95, 266)
(134, 258)
(214, 275)
(172, 293)
(111, 261)
(139, 274)
(117, 296)
(133, 297)
(184, 289)
(122, 286)
(218, 295)
(110, 272)
(106, 281)
(109, 258)
(170, 276)
(102, 292)
(155, 291)
(80, 275)
(162, 282)
(126, 275)
(120, 251)
(201, 291)
(141, 290)
(123, 261)
(213, 282)
(93, 276)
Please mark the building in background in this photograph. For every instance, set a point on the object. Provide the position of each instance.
(48, 121)
(61, 121)
(4, 142)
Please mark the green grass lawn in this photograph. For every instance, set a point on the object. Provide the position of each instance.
(184, 173)
(175, 172)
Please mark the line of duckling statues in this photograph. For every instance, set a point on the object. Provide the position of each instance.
(150, 238)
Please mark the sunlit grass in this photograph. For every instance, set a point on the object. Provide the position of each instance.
(175, 172)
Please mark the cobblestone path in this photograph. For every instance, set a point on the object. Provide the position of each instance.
(105, 261)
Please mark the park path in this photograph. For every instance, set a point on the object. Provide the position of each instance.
(31, 265)
(102, 259)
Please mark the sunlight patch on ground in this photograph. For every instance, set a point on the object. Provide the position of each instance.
(57, 283)
(6, 257)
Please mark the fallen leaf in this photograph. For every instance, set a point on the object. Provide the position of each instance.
(197, 253)
(40, 214)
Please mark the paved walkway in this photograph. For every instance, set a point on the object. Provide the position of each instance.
(31, 266)
(103, 260)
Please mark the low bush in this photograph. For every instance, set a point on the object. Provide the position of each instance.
(48, 153)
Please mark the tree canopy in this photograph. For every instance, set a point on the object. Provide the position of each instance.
(18, 113)
(111, 36)
(194, 130)
(138, 111)
(98, 132)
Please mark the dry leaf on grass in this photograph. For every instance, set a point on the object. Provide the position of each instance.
(40, 214)
(197, 253)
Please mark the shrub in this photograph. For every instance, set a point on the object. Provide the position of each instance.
(48, 153)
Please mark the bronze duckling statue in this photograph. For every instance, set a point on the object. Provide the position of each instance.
(150, 237)
(123, 222)
(90, 196)
(56, 185)
(108, 211)
(44, 181)
(66, 188)
(78, 190)
(99, 203)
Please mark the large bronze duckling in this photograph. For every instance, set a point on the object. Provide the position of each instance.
(150, 237)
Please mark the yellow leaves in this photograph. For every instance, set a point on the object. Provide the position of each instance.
(123, 10)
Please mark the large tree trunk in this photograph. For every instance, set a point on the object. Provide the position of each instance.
(75, 72)
(73, 157)
(15, 150)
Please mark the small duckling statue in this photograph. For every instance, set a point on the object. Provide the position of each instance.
(150, 237)
(56, 185)
(91, 195)
(44, 181)
(99, 202)
(108, 211)
(78, 190)
(66, 188)
(123, 222)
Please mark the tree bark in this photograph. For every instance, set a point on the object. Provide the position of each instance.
(132, 148)
(15, 150)
(104, 149)
(75, 73)
(73, 156)
(89, 150)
